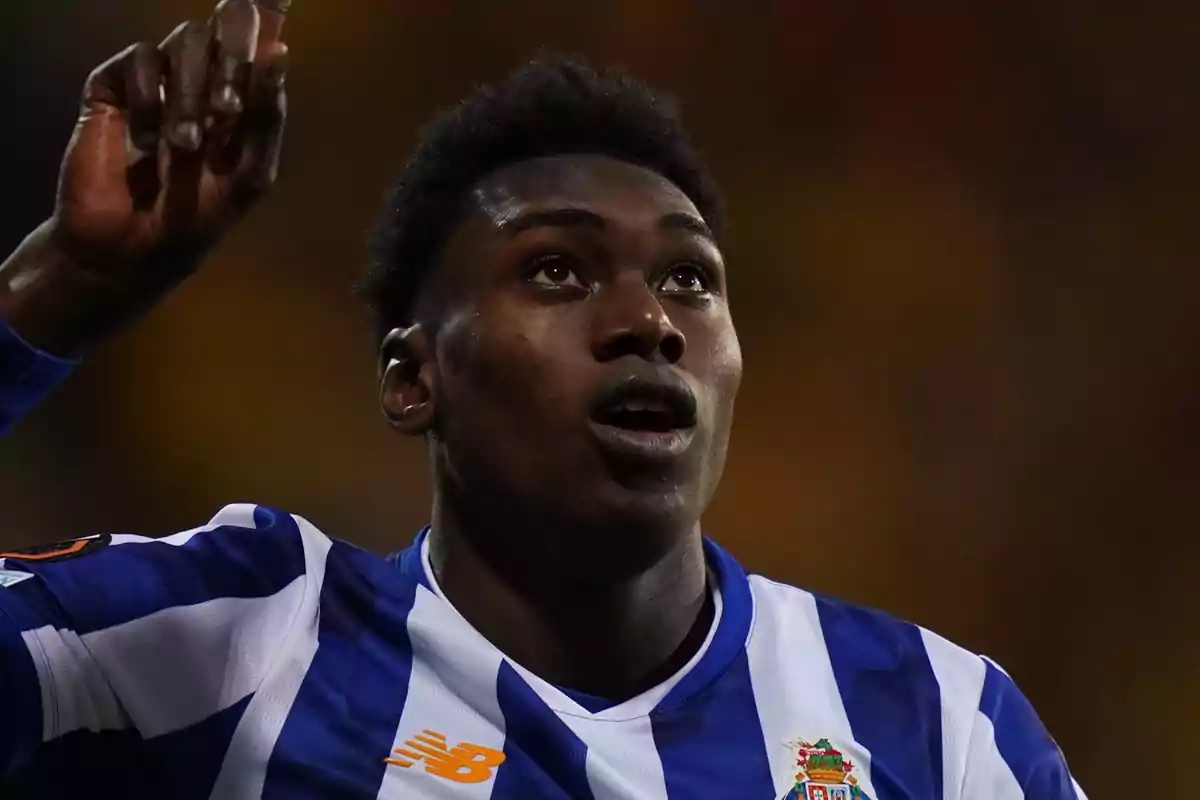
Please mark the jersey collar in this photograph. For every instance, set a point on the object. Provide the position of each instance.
(726, 637)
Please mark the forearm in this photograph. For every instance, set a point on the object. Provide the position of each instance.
(39, 315)
(48, 301)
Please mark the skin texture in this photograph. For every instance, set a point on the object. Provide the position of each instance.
(570, 273)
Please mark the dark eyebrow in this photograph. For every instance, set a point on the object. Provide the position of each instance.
(555, 218)
(680, 221)
(582, 218)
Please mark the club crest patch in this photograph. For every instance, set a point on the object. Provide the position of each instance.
(59, 551)
(11, 577)
(823, 773)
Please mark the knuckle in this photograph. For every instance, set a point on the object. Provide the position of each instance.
(143, 51)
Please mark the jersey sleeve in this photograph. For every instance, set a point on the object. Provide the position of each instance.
(122, 632)
(1010, 754)
(26, 376)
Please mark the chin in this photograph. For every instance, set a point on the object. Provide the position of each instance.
(631, 529)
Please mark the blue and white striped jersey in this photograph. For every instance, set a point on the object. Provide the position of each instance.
(256, 657)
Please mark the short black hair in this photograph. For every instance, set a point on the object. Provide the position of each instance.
(554, 105)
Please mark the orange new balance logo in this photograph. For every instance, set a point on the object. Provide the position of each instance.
(463, 763)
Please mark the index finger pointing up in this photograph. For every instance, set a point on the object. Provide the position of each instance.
(237, 27)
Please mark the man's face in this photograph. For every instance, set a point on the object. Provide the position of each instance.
(586, 360)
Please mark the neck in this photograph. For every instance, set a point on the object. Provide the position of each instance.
(612, 639)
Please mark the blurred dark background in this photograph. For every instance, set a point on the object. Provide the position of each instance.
(964, 272)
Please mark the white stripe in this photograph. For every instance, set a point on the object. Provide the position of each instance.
(452, 690)
(1078, 790)
(218, 652)
(81, 678)
(245, 767)
(75, 694)
(960, 675)
(235, 515)
(622, 758)
(11, 577)
(988, 776)
(794, 686)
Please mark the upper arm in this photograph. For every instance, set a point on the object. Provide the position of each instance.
(994, 746)
(154, 635)
(1010, 753)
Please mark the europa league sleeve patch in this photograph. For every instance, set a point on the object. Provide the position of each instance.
(59, 551)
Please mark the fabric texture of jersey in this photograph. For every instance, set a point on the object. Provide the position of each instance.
(26, 376)
(255, 657)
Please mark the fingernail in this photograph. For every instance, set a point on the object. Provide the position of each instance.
(187, 135)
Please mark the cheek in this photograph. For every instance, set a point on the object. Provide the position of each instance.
(728, 357)
(506, 376)
(717, 355)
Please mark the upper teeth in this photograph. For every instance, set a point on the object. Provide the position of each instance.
(641, 406)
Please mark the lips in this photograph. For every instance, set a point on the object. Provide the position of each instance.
(654, 405)
(648, 418)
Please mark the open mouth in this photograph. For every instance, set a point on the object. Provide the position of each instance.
(647, 406)
(645, 418)
(642, 416)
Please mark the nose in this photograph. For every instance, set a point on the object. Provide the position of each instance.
(630, 321)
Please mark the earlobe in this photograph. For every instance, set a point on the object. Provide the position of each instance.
(406, 378)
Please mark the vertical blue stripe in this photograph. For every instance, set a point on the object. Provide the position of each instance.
(543, 758)
(343, 722)
(1023, 741)
(713, 746)
(88, 764)
(733, 628)
(891, 697)
(191, 758)
(20, 698)
(182, 765)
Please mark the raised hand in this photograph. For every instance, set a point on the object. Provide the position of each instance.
(174, 142)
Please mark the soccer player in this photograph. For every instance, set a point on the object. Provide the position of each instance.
(555, 326)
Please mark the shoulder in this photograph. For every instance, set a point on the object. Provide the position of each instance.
(967, 711)
(875, 660)
(864, 637)
(244, 551)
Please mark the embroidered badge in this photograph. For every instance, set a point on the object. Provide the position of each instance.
(823, 773)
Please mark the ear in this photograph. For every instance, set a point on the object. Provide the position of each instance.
(407, 379)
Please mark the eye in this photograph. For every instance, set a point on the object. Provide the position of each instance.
(685, 279)
(555, 272)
